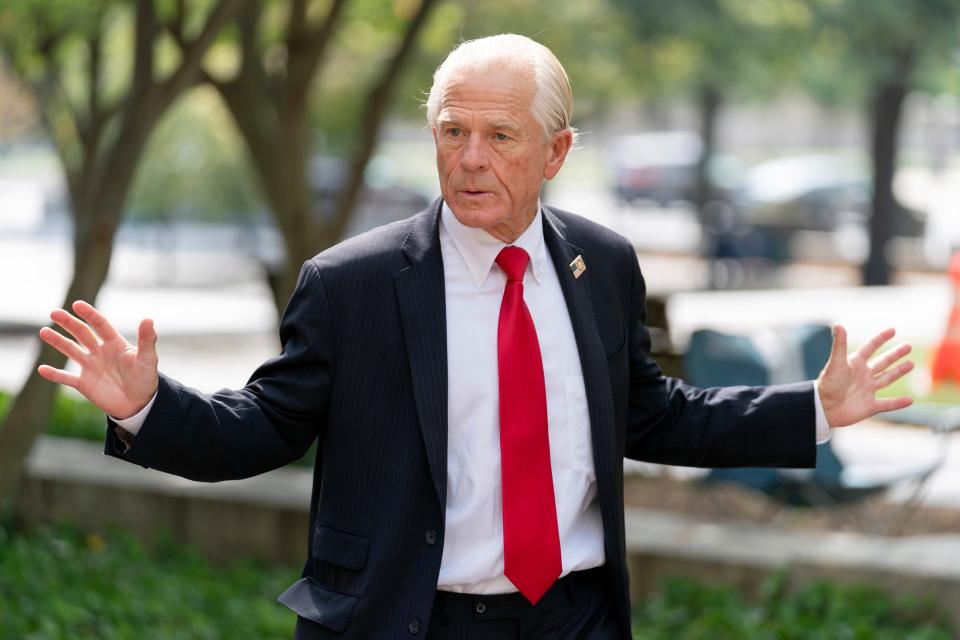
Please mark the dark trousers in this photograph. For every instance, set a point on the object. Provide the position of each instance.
(576, 607)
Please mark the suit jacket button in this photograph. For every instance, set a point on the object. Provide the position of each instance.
(414, 626)
(431, 536)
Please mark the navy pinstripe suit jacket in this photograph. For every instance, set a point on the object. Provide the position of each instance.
(364, 369)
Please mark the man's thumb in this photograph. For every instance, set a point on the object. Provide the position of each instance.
(838, 354)
(147, 340)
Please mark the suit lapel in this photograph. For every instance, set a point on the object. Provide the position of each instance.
(420, 295)
(596, 376)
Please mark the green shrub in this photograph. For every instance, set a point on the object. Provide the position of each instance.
(687, 610)
(59, 583)
(71, 417)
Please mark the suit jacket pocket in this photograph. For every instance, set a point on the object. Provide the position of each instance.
(314, 602)
(340, 548)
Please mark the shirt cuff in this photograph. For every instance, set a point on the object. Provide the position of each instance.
(823, 427)
(134, 422)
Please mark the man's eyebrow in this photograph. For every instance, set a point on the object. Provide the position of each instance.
(447, 120)
(504, 124)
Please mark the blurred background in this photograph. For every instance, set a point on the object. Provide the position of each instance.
(780, 165)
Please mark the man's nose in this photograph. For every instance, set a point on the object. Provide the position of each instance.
(475, 156)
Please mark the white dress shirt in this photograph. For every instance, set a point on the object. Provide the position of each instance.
(473, 283)
(472, 559)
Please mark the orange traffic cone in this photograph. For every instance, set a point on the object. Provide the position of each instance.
(946, 360)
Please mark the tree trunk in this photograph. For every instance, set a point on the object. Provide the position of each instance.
(300, 223)
(276, 130)
(99, 182)
(886, 109)
(32, 407)
(710, 101)
(97, 209)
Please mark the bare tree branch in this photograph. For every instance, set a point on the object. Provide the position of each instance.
(193, 54)
(94, 50)
(144, 40)
(296, 22)
(377, 103)
(251, 66)
(176, 26)
(307, 52)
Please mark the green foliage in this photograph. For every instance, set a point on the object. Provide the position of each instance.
(370, 33)
(861, 44)
(597, 48)
(746, 47)
(71, 417)
(687, 610)
(58, 583)
(195, 167)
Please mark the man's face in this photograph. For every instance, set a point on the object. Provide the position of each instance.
(491, 155)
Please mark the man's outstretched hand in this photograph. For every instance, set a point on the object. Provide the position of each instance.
(849, 384)
(114, 375)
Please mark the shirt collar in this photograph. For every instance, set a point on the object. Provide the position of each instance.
(479, 249)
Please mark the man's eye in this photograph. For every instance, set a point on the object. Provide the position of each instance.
(454, 132)
(502, 136)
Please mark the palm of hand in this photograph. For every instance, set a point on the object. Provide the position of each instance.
(116, 376)
(848, 386)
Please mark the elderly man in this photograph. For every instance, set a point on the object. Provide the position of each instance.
(475, 376)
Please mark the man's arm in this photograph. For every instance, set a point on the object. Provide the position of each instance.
(228, 434)
(673, 422)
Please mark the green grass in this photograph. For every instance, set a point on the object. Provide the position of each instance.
(59, 583)
(687, 610)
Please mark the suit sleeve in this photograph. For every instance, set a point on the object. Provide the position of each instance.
(672, 422)
(270, 422)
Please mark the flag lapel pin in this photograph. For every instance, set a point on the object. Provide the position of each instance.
(578, 266)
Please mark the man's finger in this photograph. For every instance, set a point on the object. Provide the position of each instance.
(64, 345)
(888, 358)
(59, 376)
(870, 347)
(96, 319)
(76, 328)
(892, 404)
(889, 377)
(147, 341)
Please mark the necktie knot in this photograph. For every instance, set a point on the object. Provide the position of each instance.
(513, 261)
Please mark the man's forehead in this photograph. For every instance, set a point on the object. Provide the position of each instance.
(510, 79)
(500, 94)
(454, 114)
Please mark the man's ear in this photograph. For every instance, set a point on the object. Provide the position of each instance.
(559, 146)
(433, 130)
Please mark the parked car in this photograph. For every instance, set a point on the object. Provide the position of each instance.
(810, 192)
(814, 192)
(662, 167)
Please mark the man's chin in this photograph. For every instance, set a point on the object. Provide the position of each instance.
(476, 214)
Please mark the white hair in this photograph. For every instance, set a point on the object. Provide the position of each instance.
(552, 105)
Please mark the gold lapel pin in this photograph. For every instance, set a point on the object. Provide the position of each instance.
(578, 266)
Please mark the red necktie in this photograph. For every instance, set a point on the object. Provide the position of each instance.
(531, 540)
